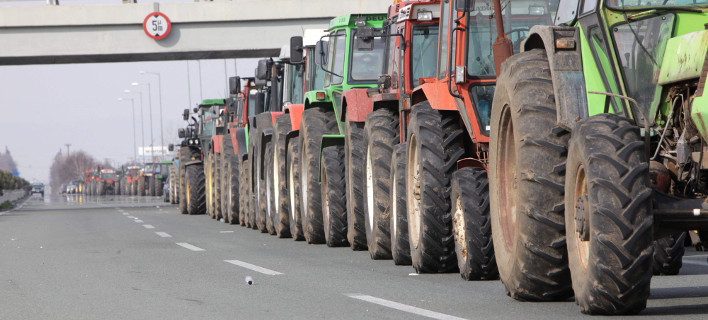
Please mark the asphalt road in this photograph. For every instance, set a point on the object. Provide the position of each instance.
(75, 257)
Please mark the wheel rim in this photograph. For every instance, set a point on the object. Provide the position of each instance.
(580, 203)
(459, 227)
(291, 190)
(506, 171)
(413, 193)
(268, 196)
(369, 189)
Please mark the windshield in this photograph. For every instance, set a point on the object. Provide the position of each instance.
(295, 83)
(633, 4)
(335, 61)
(367, 64)
(519, 17)
(252, 102)
(315, 74)
(423, 52)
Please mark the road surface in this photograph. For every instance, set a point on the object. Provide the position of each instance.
(77, 257)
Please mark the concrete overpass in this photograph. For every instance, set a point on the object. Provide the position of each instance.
(200, 30)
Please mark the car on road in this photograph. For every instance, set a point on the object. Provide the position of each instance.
(38, 188)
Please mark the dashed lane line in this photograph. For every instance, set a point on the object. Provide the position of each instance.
(253, 267)
(404, 307)
(138, 221)
(163, 234)
(148, 226)
(189, 246)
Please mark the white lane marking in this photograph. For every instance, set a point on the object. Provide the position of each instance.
(125, 213)
(404, 307)
(189, 246)
(696, 263)
(254, 267)
(131, 217)
(225, 231)
(148, 226)
(163, 234)
(138, 221)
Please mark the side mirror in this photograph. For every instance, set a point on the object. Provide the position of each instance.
(321, 53)
(235, 85)
(296, 50)
(195, 110)
(262, 70)
(365, 38)
(464, 5)
(171, 147)
(384, 82)
(185, 114)
(181, 133)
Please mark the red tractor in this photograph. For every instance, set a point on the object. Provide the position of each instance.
(106, 182)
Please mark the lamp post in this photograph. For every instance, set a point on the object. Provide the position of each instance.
(142, 127)
(152, 149)
(135, 146)
(159, 92)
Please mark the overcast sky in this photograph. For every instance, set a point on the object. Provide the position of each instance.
(45, 107)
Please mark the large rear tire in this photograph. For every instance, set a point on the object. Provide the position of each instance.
(151, 186)
(294, 184)
(196, 189)
(217, 186)
(381, 134)
(400, 246)
(471, 226)
(243, 193)
(230, 176)
(609, 224)
(316, 122)
(434, 146)
(267, 190)
(158, 187)
(141, 186)
(526, 174)
(281, 199)
(334, 207)
(355, 151)
(668, 254)
(184, 156)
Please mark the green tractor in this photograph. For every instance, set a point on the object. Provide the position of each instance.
(598, 152)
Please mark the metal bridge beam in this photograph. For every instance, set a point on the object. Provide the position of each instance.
(201, 30)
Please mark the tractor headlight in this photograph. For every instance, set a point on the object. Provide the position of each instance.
(425, 15)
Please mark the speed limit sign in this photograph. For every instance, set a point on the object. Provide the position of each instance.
(157, 25)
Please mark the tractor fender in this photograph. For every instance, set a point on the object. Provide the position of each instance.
(273, 115)
(356, 104)
(436, 93)
(266, 137)
(327, 141)
(295, 111)
(241, 142)
(566, 70)
(216, 143)
(385, 100)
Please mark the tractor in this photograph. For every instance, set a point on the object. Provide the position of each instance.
(106, 182)
(598, 141)
(191, 177)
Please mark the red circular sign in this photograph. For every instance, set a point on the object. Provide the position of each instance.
(157, 25)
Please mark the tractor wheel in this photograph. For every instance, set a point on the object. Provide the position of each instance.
(182, 180)
(100, 189)
(196, 189)
(355, 151)
(380, 135)
(230, 176)
(281, 201)
(526, 174)
(334, 200)
(152, 186)
(469, 207)
(434, 146)
(173, 182)
(217, 186)
(209, 175)
(267, 189)
(141, 186)
(668, 254)
(609, 225)
(315, 123)
(158, 187)
(294, 188)
(260, 202)
(400, 246)
(116, 188)
(243, 193)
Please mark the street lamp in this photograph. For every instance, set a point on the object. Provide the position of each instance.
(159, 92)
(152, 149)
(142, 127)
(135, 145)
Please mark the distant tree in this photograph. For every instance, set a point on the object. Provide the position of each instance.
(7, 163)
(71, 167)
